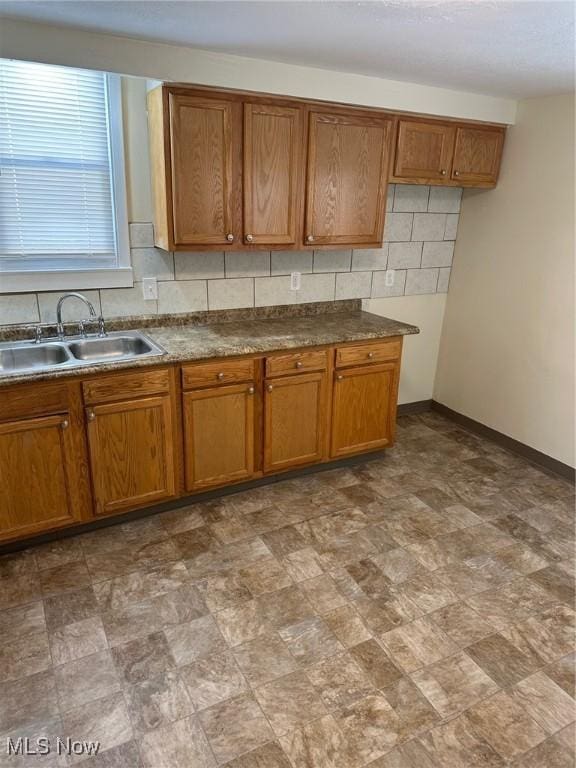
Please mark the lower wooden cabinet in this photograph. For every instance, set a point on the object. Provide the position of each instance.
(218, 435)
(39, 476)
(364, 409)
(295, 421)
(131, 447)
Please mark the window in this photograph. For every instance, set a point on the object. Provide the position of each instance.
(63, 221)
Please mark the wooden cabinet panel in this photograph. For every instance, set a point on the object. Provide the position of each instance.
(217, 372)
(369, 353)
(273, 167)
(295, 421)
(219, 435)
(364, 409)
(40, 476)
(123, 386)
(348, 158)
(132, 457)
(477, 155)
(205, 142)
(424, 151)
(297, 362)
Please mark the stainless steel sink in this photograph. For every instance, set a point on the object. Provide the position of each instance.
(22, 356)
(113, 347)
(25, 356)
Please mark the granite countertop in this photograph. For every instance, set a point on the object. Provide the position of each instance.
(200, 341)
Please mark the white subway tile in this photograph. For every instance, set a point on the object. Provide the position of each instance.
(319, 287)
(182, 296)
(152, 262)
(451, 230)
(125, 302)
(284, 262)
(443, 280)
(411, 198)
(438, 254)
(404, 255)
(247, 263)
(370, 258)
(445, 199)
(233, 293)
(421, 281)
(429, 226)
(332, 261)
(72, 309)
(274, 291)
(19, 308)
(398, 227)
(141, 235)
(381, 290)
(199, 265)
(390, 197)
(353, 285)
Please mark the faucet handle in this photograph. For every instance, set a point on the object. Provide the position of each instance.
(38, 332)
(81, 329)
(101, 327)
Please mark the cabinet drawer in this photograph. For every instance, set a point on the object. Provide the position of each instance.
(295, 362)
(368, 353)
(35, 399)
(223, 372)
(125, 386)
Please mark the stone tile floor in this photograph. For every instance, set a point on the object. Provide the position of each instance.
(415, 611)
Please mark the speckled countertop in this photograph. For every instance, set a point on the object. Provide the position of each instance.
(242, 336)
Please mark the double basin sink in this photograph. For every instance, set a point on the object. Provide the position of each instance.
(17, 357)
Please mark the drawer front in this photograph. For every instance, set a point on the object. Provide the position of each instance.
(125, 386)
(35, 399)
(297, 362)
(223, 372)
(360, 354)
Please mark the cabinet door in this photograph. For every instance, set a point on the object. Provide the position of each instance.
(219, 435)
(131, 446)
(273, 160)
(364, 409)
(295, 421)
(205, 142)
(39, 476)
(424, 151)
(477, 155)
(348, 157)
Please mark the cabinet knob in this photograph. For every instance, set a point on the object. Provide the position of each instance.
(230, 238)
(65, 424)
(250, 390)
(91, 415)
(220, 376)
(299, 364)
(443, 172)
(249, 238)
(456, 173)
(370, 355)
(339, 377)
(269, 387)
(310, 239)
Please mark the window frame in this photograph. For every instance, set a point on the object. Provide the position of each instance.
(120, 276)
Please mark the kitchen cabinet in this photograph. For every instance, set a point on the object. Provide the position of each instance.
(477, 155)
(273, 168)
(424, 151)
(346, 178)
(219, 432)
(295, 420)
(131, 441)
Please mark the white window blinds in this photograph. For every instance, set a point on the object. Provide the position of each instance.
(57, 208)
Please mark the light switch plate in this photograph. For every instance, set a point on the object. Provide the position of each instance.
(295, 281)
(389, 279)
(149, 288)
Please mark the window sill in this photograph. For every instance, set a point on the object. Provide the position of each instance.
(59, 280)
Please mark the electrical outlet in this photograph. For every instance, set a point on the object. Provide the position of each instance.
(389, 279)
(295, 281)
(149, 288)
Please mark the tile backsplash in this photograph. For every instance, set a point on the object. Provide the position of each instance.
(419, 235)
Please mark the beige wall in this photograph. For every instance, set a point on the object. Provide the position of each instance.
(507, 348)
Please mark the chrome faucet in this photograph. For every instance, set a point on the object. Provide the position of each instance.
(61, 300)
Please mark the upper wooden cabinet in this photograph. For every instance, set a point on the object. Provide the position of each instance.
(477, 155)
(424, 151)
(447, 154)
(273, 164)
(346, 180)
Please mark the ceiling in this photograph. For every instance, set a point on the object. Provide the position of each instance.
(511, 48)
